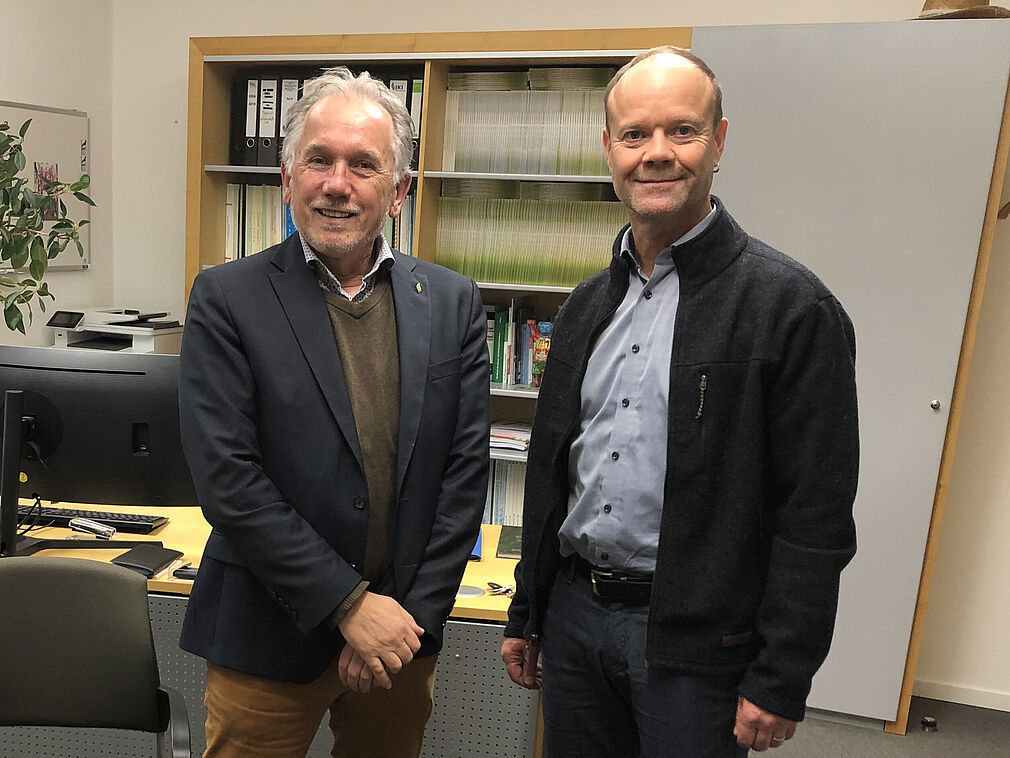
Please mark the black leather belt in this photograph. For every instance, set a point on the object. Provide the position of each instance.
(616, 586)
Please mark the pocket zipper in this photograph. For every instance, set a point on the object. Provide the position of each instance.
(702, 386)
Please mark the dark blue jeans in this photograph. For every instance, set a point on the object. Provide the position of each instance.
(601, 699)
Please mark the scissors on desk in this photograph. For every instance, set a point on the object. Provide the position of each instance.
(500, 589)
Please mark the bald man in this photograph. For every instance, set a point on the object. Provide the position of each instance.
(693, 462)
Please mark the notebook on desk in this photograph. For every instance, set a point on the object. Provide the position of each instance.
(510, 543)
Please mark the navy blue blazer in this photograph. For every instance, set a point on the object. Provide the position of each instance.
(271, 442)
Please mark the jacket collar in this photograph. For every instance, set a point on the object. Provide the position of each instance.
(296, 287)
(702, 257)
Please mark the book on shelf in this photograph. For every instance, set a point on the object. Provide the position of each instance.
(503, 503)
(255, 219)
(498, 358)
(510, 542)
(514, 337)
(403, 226)
(526, 241)
(510, 435)
(540, 121)
(489, 311)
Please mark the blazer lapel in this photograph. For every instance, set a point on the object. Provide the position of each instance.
(298, 291)
(412, 301)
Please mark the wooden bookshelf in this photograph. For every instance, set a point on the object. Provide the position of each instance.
(215, 62)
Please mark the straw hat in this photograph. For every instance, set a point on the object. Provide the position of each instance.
(961, 9)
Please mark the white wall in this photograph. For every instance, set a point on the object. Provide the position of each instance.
(59, 54)
(132, 79)
(964, 654)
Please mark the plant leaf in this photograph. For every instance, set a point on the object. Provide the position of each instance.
(15, 320)
(19, 161)
(20, 257)
(24, 128)
(84, 198)
(80, 248)
(80, 184)
(40, 260)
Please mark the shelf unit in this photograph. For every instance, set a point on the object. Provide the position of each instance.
(215, 62)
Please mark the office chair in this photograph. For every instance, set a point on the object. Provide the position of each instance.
(76, 650)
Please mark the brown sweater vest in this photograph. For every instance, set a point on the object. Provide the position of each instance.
(366, 341)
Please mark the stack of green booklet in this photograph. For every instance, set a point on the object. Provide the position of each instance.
(510, 543)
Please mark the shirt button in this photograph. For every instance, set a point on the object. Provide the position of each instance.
(605, 556)
(359, 502)
(635, 348)
(625, 402)
(607, 508)
(615, 455)
(648, 295)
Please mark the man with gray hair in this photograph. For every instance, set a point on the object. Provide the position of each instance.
(692, 465)
(335, 413)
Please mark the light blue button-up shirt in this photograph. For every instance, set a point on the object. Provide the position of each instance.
(617, 462)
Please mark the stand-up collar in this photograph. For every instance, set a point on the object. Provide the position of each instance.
(700, 258)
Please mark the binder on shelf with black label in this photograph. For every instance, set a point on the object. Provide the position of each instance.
(252, 99)
(399, 88)
(266, 152)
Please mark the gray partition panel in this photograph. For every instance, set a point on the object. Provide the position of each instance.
(866, 151)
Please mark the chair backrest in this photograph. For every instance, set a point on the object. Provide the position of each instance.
(76, 647)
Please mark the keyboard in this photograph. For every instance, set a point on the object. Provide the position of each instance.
(134, 523)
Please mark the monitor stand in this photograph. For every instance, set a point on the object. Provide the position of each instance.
(11, 543)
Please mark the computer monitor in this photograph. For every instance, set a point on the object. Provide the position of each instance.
(95, 427)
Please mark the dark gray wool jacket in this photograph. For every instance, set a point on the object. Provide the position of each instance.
(762, 461)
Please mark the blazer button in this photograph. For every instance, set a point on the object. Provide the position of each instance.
(359, 502)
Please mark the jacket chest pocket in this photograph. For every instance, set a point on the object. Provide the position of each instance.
(717, 414)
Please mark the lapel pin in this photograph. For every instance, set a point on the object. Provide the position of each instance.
(418, 285)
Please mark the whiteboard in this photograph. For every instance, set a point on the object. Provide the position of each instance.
(866, 151)
(56, 146)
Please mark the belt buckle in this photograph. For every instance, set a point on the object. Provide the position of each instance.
(593, 574)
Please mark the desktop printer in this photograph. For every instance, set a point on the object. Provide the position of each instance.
(128, 329)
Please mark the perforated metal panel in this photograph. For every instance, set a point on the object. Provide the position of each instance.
(478, 712)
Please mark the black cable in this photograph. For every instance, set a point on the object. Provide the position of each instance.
(36, 509)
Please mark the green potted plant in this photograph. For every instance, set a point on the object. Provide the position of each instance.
(34, 228)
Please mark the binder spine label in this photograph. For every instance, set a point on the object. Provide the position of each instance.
(268, 108)
(289, 96)
(251, 104)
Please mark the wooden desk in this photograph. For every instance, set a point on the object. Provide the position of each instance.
(501, 721)
(187, 531)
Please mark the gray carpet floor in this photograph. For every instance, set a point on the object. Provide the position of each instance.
(961, 732)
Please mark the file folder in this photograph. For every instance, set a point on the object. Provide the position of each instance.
(266, 152)
(252, 100)
(236, 137)
(289, 96)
